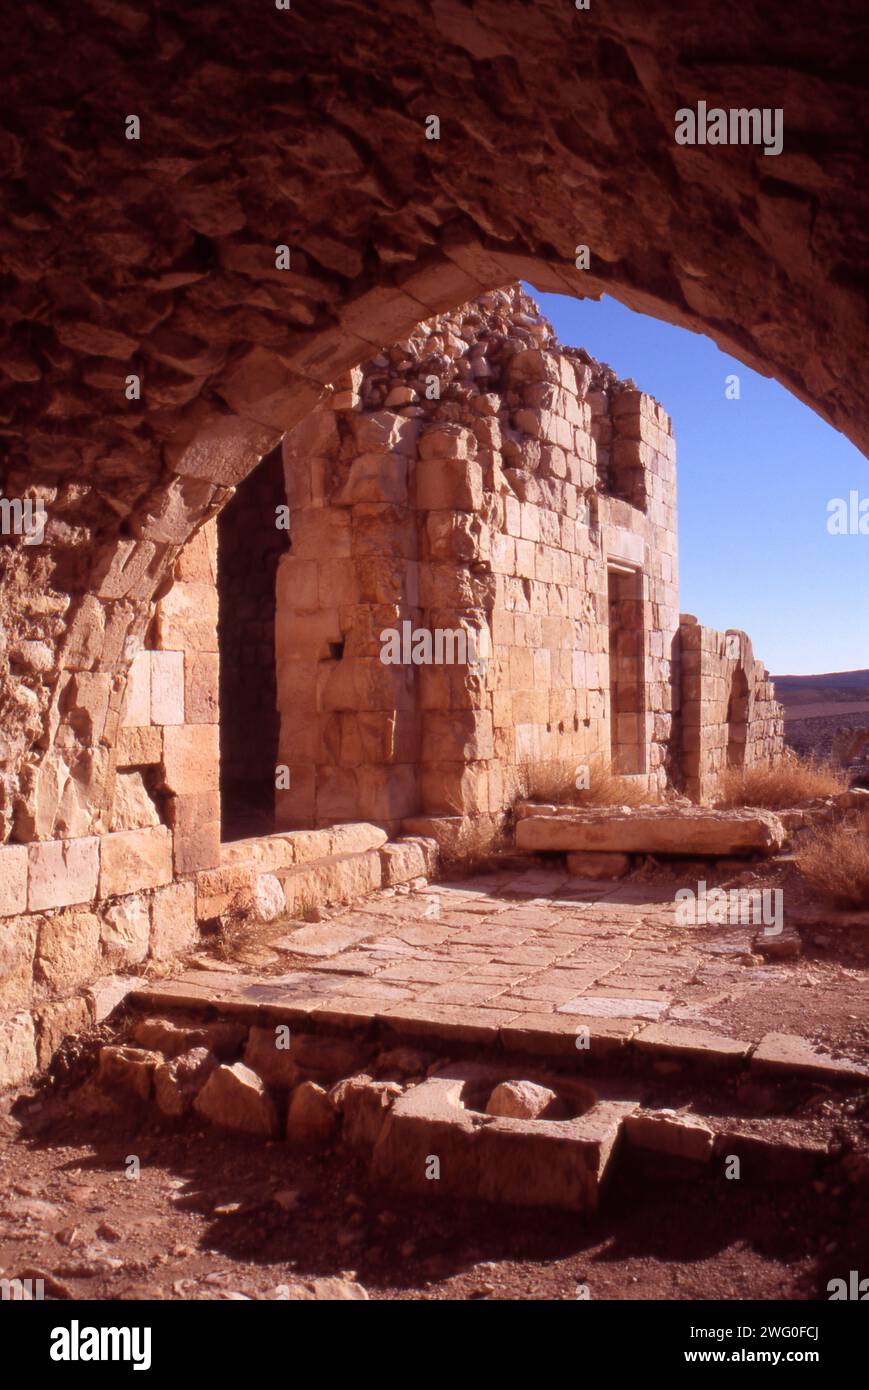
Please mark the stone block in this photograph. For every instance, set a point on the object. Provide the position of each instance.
(135, 859)
(187, 618)
(132, 808)
(234, 1098)
(201, 688)
(341, 879)
(54, 1022)
(63, 872)
(17, 959)
(68, 950)
(13, 880)
(457, 736)
(210, 447)
(173, 921)
(539, 1162)
(191, 759)
(18, 1058)
(447, 442)
(297, 584)
(167, 687)
(197, 562)
(666, 1132)
(449, 485)
(375, 478)
(384, 432)
(403, 861)
(125, 932)
(787, 1055)
(312, 1117)
(87, 704)
(195, 823)
(139, 747)
(690, 832)
(107, 994)
(138, 710)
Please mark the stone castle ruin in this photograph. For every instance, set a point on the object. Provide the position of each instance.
(454, 584)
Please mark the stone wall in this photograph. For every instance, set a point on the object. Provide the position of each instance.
(79, 913)
(729, 715)
(497, 507)
(527, 503)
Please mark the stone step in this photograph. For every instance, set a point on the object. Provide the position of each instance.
(312, 1001)
(695, 831)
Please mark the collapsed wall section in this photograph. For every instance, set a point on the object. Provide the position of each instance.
(729, 716)
(476, 488)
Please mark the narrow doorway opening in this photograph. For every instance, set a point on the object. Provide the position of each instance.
(249, 546)
(626, 669)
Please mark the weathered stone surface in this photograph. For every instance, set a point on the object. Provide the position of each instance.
(13, 879)
(649, 831)
(269, 901)
(178, 1081)
(135, 859)
(525, 1162)
(364, 1104)
(694, 1045)
(787, 1054)
(267, 1056)
(404, 860)
(600, 865)
(17, 958)
(108, 992)
(57, 1021)
(666, 1132)
(63, 872)
(520, 1100)
(129, 1069)
(68, 949)
(125, 932)
(133, 808)
(18, 1057)
(173, 920)
(312, 1117)
(235, 1098)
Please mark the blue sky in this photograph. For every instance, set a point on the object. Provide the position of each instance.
(754, 476)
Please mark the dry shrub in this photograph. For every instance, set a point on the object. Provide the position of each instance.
(777, 786)
(834, 860)
(478, 840)
(556, 783)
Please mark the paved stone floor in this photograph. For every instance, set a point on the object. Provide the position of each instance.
(537, 950)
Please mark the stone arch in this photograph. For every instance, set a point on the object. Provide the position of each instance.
(159, 261)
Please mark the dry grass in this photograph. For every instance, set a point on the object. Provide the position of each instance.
(557, 783)
(478, 840)
(783, 784)
(834, 861)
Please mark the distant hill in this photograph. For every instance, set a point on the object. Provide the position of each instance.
(833, 687)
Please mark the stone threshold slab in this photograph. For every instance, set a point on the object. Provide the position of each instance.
(693, 831)
(315, 1001)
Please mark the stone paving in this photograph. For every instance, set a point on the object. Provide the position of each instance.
(536, 949)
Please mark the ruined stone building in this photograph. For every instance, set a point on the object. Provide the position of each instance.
(453, 585)
(480, 479)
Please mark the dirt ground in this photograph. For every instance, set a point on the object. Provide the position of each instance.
(215, 1217)
(211, 1217)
